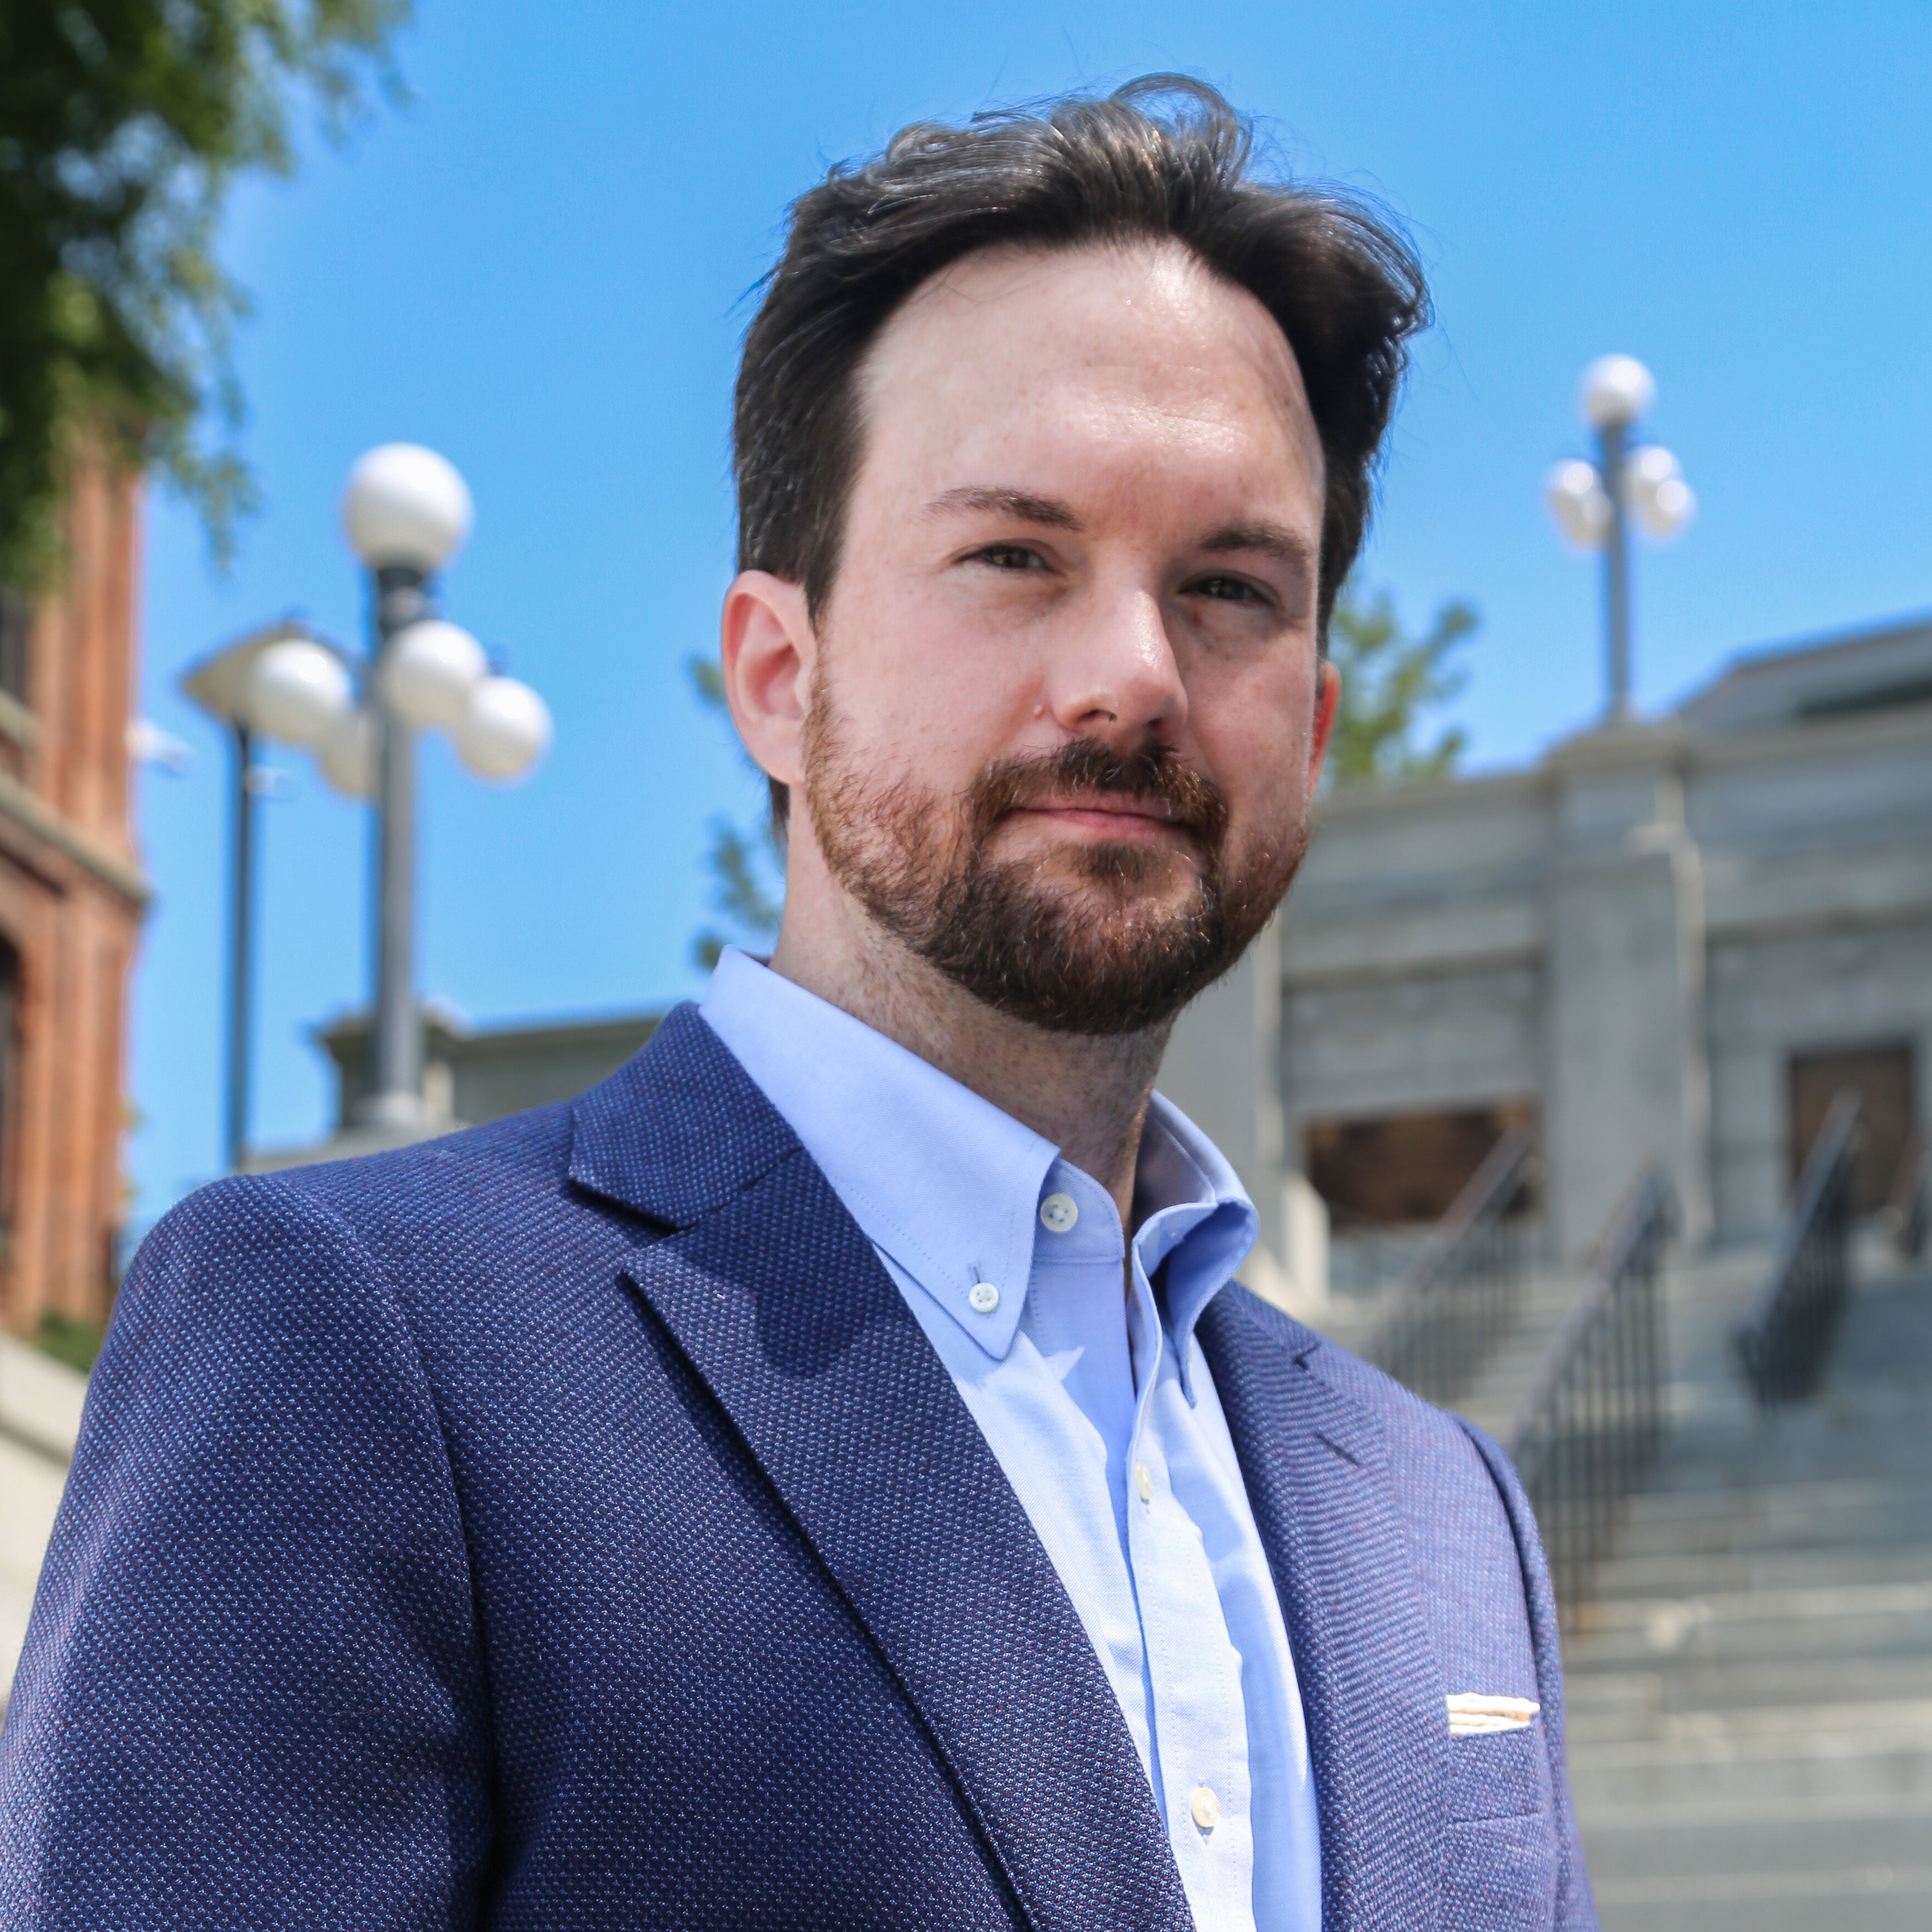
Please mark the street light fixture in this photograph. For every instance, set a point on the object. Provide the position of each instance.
(228, 686)
(406, 511)
(1591, 502)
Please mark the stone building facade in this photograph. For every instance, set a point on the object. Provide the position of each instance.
(72, 893)
(1669, 941)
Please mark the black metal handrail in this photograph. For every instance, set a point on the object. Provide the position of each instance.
(1590, 1424)
(1908, 1209)
(1782, 1346)
(1463, 1289)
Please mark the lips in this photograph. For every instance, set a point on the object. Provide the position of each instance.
(1122, 818)
(1125, 793)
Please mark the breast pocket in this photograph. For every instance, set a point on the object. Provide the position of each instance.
(1499, 1773)
(1500, 1855)
(1499, 1875)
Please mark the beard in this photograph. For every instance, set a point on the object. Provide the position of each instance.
(1114, 950)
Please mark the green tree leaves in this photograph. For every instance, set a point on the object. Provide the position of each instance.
(1389, 680)
(122, 124)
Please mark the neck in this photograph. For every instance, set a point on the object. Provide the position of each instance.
(1088, 1096)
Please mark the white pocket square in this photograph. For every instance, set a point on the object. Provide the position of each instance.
(1471, 1713)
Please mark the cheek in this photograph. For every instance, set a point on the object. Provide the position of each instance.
(1255, 732)
(917, 693)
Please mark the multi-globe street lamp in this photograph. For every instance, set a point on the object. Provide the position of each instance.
(406, 511)
(1592, 501)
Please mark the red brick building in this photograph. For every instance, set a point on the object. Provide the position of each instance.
(71, 896)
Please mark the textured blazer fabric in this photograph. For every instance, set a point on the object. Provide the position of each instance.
(565, 1525)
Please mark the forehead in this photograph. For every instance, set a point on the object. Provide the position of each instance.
(1128, 341)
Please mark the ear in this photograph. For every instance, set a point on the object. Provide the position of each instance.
(1327, 703)
(769, 651)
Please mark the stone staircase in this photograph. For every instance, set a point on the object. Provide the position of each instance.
(1751, 1700)
(1751, 1697)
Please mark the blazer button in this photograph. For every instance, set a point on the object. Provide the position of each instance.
(1207, 1809)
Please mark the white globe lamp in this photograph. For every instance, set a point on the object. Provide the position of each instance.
(1655, 489)
(504, 731)
(295, 690)
(404, 505)
(1579, 503)
(347, 755)
(429, 671)
(1671, 508)
(1617, 390)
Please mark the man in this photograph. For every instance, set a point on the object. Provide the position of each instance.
(828, 1476)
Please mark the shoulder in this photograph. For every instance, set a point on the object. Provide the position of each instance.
(383, 1238)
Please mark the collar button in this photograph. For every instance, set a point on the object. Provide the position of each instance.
(1058, 1212)
(983, 1298)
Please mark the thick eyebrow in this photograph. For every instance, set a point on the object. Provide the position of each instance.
(1285, 546)
(982, 497)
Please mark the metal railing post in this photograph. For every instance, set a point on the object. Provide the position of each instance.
(1461, 1292)
(1592, 1419)
(1783, 1345)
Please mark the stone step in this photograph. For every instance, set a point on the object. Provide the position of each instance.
(1867, 1898)
(1884, 1521)
(1750, 1697)
(1860, 1864)
(1674, 1575)
(1842, 1620)
(1637, 1706)
(1813, 1834)
(1795, 1752)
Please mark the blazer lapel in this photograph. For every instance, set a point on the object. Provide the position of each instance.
(1315, 1465)
(773, 1295)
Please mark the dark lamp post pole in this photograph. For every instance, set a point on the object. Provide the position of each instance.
(1612, 442)
(241, 946)
(395, 1099)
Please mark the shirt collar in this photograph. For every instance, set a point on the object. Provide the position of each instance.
(942, 1181)
(1195, 1215)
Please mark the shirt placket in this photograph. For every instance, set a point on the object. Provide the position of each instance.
(1193, 1669)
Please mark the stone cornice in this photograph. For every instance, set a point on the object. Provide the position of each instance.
(99, 861)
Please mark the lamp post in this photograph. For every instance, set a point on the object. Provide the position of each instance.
(220, 685)
(1592, 501)
(405, 511)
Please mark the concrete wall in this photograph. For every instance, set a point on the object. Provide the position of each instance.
(1637, 934)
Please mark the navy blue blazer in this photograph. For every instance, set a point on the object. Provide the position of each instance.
(566, 1525)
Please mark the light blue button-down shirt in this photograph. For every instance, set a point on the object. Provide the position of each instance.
(1101, 1414)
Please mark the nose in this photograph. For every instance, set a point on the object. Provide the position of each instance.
(1115, 677)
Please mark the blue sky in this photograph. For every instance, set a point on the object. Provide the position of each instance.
(542, 268)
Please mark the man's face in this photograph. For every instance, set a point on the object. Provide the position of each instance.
(1065, 718)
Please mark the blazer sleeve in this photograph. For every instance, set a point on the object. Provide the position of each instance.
(1576, 1910)
(252, 1692)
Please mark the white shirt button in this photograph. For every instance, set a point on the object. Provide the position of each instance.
(983, 1298)
(1144, 1482)
(1207, 1809)
(1058, 1212)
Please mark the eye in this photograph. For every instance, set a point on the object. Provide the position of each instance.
(1009, 556)
(1228, 590)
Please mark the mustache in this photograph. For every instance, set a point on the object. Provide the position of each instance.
(1087, 768)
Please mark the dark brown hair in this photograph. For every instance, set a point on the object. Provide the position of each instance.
(1165, 157)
